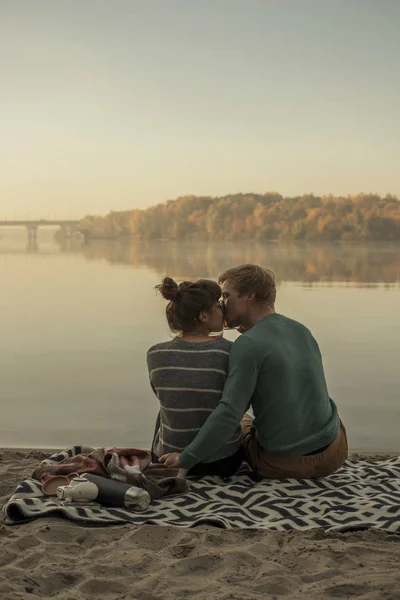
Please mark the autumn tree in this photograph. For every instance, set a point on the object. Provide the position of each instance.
(259, 217)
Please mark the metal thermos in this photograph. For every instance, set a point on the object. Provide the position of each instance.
(105, 491)
(118, 493)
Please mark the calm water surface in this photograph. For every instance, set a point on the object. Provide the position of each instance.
(76, 323)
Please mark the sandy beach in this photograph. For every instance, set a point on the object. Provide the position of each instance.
(55, 558)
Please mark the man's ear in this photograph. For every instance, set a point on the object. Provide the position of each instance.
(250, 297)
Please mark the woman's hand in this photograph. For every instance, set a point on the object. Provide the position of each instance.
(171, 460)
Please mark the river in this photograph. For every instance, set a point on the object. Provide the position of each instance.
(76, 321)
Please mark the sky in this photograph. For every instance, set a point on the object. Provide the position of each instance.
(121, 104)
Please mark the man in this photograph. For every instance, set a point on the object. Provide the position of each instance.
(276, 367)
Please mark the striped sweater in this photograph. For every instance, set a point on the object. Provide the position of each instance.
(188, 379)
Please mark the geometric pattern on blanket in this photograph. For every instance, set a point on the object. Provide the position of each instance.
(363, 494)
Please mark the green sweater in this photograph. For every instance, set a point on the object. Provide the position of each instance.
(276, 367)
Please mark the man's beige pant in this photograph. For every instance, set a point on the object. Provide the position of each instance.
(272, 466)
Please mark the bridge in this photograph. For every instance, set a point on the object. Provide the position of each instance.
(32, 226)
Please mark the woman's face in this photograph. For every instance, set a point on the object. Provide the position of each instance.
(213, 319)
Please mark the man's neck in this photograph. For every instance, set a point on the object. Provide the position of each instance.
(258, 313)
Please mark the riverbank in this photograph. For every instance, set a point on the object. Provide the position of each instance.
(55, 557)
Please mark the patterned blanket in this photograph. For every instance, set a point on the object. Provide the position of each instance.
(361, 495)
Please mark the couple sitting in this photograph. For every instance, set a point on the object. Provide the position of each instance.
(205, 384)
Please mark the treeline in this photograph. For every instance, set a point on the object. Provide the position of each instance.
(260, 217)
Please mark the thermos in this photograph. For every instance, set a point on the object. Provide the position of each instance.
(107, 492)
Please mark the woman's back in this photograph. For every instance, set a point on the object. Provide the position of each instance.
(188, 378)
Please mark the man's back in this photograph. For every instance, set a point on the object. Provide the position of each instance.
(276, 367)
(293, 412)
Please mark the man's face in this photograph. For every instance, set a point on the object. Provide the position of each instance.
(236, 306)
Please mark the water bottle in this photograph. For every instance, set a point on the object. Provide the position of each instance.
(117, 493)
(107, 492)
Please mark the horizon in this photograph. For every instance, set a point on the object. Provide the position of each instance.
(129, 105)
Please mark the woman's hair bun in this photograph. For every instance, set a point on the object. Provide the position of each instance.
(168, 288)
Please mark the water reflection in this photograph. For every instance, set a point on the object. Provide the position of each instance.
(361, 265)
(328, 264)
(32, 246)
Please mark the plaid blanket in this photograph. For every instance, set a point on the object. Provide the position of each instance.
(363, 494)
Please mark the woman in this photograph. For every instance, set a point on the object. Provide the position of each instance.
(188, 373)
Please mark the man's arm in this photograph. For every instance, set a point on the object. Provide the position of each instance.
(244, 366)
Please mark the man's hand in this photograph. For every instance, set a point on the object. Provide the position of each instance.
(171, 460)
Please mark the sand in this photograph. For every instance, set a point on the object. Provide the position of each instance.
(55, 558)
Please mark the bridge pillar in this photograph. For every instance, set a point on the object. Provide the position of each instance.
(32, 232)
